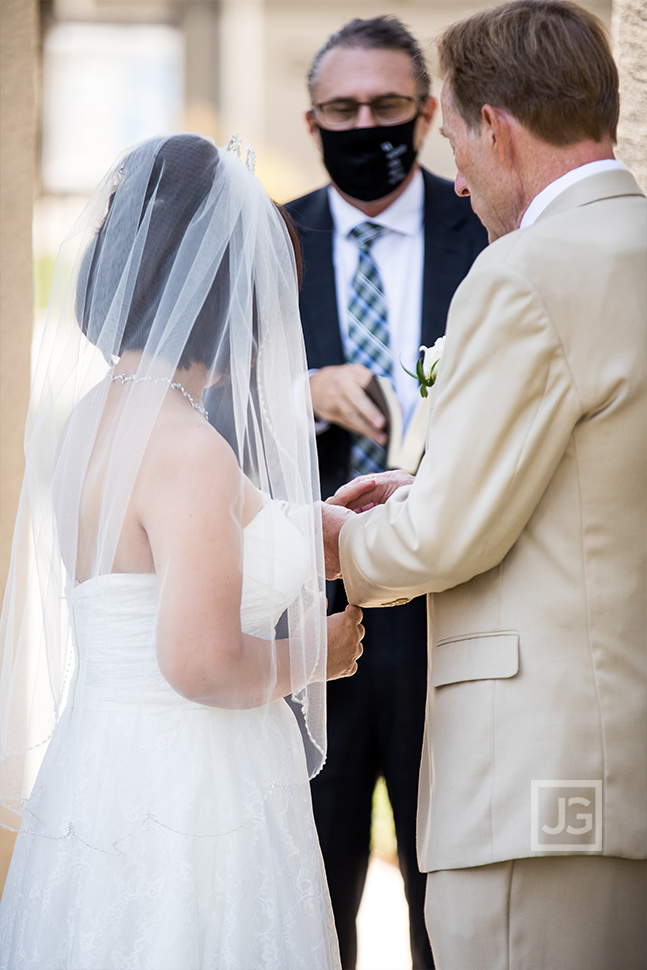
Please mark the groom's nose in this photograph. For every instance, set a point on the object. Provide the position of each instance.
(460, 185)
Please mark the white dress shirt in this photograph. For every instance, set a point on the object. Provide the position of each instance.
(553, 189)
(398, 254)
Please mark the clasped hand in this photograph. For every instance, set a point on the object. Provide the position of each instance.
(358, 496)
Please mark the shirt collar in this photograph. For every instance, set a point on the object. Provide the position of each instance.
(553, 189)
(404, 215)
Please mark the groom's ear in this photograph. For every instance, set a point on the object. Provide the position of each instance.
(499, 128)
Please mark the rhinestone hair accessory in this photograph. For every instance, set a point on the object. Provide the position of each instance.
(234, 146)
(250, 159)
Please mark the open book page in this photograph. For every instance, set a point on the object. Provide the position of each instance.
(403, 450)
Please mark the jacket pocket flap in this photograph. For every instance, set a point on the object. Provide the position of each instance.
(484, 657)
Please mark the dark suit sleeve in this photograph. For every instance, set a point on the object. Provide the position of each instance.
(320, 322)
(454, 236)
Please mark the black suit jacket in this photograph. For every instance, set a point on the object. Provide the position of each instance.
(453, 238)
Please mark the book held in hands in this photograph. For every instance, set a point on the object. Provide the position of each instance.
(404, 449)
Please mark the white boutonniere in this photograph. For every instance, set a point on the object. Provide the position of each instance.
(427, 366)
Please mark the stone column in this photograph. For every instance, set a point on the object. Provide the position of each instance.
(18, 72)
(242, 70)
(201, 26)
(629, 31)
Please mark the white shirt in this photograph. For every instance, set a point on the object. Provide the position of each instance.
(553, 189)
(398, 254)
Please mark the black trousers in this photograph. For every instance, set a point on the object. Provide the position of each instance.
(375, 728)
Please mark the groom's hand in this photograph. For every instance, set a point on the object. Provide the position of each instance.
(333, 517)
(349, 494)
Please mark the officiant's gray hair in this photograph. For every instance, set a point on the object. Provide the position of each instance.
(375, 33)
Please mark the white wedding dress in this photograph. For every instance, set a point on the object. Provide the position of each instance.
(203, 853)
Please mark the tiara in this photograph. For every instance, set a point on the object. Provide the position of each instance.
(234, 146)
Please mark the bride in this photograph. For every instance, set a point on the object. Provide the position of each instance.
(163, 675)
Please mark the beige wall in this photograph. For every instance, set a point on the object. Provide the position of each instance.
(18, 65)
(18, 41)
(630, 49)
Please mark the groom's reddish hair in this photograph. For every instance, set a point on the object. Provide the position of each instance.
(547, 62)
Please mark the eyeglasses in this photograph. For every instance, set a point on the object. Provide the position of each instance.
(386, 110)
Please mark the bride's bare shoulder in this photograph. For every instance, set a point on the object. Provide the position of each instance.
(191, 451)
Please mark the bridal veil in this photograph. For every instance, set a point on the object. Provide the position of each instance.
(181, 256)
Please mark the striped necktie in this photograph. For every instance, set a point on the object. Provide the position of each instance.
(367, 341)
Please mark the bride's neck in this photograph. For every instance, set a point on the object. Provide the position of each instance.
(194, 378)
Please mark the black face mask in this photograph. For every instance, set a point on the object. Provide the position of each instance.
(369, 163)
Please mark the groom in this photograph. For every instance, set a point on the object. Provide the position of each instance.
(526, 521)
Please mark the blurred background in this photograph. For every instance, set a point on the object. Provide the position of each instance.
(114, 72)
(80, 80)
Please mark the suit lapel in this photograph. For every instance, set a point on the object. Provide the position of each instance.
(319, 294)
(449, 249)
(444, 261)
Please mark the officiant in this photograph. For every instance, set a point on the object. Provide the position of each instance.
(385, 244)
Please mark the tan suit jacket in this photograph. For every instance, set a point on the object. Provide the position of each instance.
(527, 527)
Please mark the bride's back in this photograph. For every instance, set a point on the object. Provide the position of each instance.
(133, 553)
(179, 428)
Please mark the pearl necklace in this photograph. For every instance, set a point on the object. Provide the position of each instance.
(124, 378)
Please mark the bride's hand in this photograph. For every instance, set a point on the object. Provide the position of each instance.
(345, 633)
(333, 519)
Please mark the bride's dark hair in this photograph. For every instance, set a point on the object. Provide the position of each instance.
(180, 181)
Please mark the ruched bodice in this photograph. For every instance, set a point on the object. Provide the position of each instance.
(114, 617)
(186, 830)
(274, 566)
